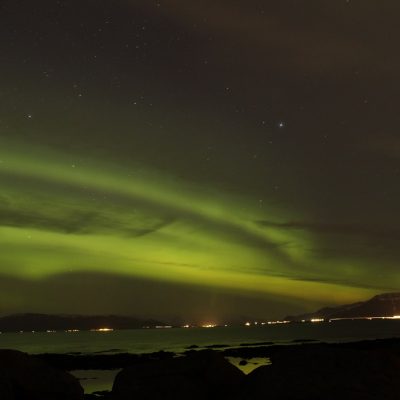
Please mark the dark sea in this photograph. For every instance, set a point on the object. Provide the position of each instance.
(178, 339)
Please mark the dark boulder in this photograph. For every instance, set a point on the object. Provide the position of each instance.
(329, 373)
(203, 374)
(24, 377)
(6, 390)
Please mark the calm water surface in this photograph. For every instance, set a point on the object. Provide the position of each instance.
(176, 339)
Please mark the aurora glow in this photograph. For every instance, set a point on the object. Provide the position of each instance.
(150, 229)
(131, 170)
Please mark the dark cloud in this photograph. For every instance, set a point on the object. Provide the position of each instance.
(78, 222)
(374, 232)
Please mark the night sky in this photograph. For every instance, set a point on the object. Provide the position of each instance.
(198, 160)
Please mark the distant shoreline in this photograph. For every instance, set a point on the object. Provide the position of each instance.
(117, 360)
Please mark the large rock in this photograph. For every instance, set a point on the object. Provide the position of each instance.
(326, 372)
(204, 374)
(23, 377)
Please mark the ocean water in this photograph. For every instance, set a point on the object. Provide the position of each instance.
(177, 339)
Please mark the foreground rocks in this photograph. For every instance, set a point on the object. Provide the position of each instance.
(70, 362)
(22, 377)
(368, 370)
(326, 372)
(200, 375)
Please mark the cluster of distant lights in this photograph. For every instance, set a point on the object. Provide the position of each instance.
(317, 320)
(70, 330)
(212, 325)
(208, 325)
(105, 330)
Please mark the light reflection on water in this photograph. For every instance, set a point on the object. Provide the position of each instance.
(100, 380)
(150, 340)
(251, 363)
(96, 380)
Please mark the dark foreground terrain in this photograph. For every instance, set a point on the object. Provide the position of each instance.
(363, 370)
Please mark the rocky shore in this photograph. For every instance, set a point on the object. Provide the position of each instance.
(360, 370)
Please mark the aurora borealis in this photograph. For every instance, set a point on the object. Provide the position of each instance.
(206, 161)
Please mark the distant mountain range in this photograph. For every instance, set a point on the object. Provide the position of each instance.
(44, 322)
(383, 305)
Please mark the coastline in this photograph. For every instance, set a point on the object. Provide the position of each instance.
(295, 361)
(177, 340)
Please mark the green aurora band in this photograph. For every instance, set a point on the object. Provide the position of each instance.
(59, 217)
